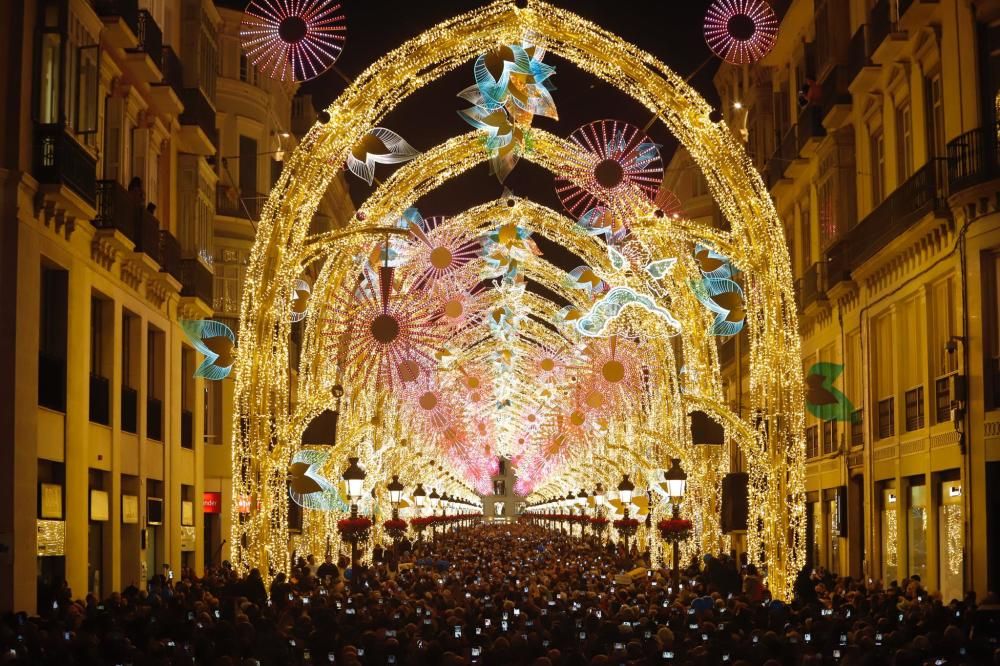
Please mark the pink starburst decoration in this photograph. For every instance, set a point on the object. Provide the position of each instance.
(383, 331)
(439, 252)
(740, 31)
(293, 40)
(614, 165)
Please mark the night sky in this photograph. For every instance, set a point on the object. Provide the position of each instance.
(429, 116)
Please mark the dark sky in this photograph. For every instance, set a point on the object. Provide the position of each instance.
(428, 117)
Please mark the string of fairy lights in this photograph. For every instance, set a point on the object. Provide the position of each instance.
(428, 339)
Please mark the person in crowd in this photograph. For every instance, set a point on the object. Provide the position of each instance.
(509, 594)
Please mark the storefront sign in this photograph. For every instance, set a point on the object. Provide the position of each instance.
(98, 505)
(51, 501)
(130, 509)
(211, 502)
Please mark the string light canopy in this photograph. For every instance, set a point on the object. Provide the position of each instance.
(741, 31)
(293, 40)
(577, 440)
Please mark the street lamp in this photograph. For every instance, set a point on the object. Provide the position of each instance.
(419, 496)
(434, 499)
(355, 478)
(676, 479)
(599, 496)
(581, 500)
(395, 495)
(625, 489)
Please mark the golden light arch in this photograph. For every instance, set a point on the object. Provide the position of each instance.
(755, 243)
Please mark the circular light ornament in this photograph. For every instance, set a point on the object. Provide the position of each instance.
(616, 165)
(740, 31)
(293, 40)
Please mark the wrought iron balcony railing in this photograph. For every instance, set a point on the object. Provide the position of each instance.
(60, 160)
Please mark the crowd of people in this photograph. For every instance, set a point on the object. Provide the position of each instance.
(505, 594)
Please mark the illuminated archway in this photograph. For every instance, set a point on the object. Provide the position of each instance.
(267, 428)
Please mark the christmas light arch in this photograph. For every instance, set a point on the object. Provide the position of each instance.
(265, 427)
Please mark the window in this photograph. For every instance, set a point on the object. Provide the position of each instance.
(886, 418)
(826, 195)
(829, 436)
(50, 47)
(991, 324)
(248, 166)
(100, 386)
(890, 536)
(935, 116)
(914, 409)
(858, 427)
(942, 400)
(228, 287)
(248, 70)
(916, 528)
(806, 226)
(941, 317)
(213, 412)
(52, 339)
(812, 441)
(878, 167)
(904, 141)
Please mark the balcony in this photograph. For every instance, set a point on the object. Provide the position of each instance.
(196, 280)
(117, 209)
(166, 91)
(170, 255)
(885, 42)
(916, 13)
(121, 19)
(810, 129)
(60, 160)
(862, 73)
(973, 158)
(198, 132)
(811, 287)
(144, 61)
(835, 106)
(245, 205)
(926, 191)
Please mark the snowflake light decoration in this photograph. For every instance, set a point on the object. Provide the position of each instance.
(293, 40)
(740, 31)
(618, 166)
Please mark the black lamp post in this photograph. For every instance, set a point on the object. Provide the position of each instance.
(434, 500)
(420, 497)
(355, 478)
(395, 489)
(676, 479)
(625, 489)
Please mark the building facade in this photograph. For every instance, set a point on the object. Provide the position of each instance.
(874, 125)
(137, 149)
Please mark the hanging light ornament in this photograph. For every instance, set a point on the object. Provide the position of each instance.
(616, 164)
(293, 40)
(438, 251)
(388, 330)
(740, 31)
